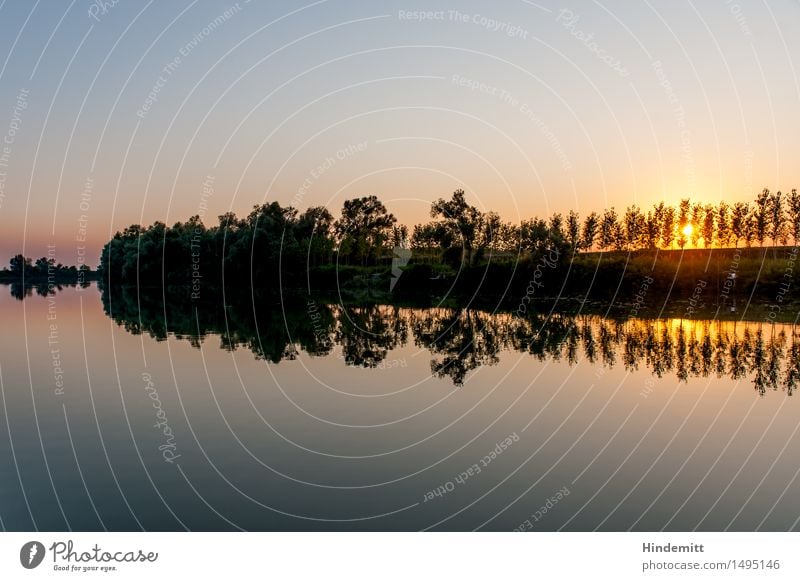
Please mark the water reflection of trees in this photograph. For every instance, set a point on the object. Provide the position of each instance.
(462, 340)
(22, 291)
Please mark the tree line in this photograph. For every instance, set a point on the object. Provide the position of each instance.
(45, 268)
(771, 217)
(273, 241)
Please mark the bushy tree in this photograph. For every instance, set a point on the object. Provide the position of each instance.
(364, 229)
(463, 218)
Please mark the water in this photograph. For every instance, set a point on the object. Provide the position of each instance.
(324, 417)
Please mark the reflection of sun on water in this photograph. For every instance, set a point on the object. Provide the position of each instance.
(687, 230)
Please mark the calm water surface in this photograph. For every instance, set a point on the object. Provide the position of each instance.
(327, 417)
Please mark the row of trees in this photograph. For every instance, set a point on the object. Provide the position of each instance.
(21, 267)
(366, 233)
(271, 236)
(772, 217)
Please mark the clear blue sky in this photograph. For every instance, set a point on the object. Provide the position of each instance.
(530, 107)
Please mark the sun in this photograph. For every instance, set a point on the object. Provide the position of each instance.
(687, 230)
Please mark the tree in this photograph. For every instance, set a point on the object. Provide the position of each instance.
(490, 232)
(619, 239)
(634, 226)
(761, 216)
(777, 218)
(533, 234)
(793, 209)
(364, 228)
(697, 223)
(43, 265)
(607, 227)
(573, 231)
(708, 226)
(399, 237)
(683, 220)
(668, 227)
(20, 265)
(739, 221)
(589, 232)
(652, 230)
(556, 231)
(749, 228)
(464, 218)
(723, 225)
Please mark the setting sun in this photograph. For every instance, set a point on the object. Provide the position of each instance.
(687, 230)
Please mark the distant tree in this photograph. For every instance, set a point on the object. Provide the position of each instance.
(490, 233)
(668, 227)
(777, 219)
(464, 218)
(508, 237)
(534, 234)
(589, 232)
(364, 228)
(556, 230)
(697, 223)
(433, 235)
(607, 228)
(633, 223)
(315, 221)
(739, 221)
(683, 219)
(652, 229)
(399, 238)
(620, 240)
(749, 228)
(793, 210)
(723, 225)
(761, 216)
(573, 231)
(708, 226)
(43, 265)
(19, 265)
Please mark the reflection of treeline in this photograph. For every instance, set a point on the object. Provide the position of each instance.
(22, 291)
(462, 340)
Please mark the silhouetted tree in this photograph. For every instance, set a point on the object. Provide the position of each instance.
(708, 226)
(739, 218)
(461, 216)
(777, 219)
(607, 227)
(589, 232)
(683, 219)
(761, 216)
(668, 227)
(793, 210)
(723, 225)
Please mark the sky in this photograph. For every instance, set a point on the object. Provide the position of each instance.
(119, 111)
